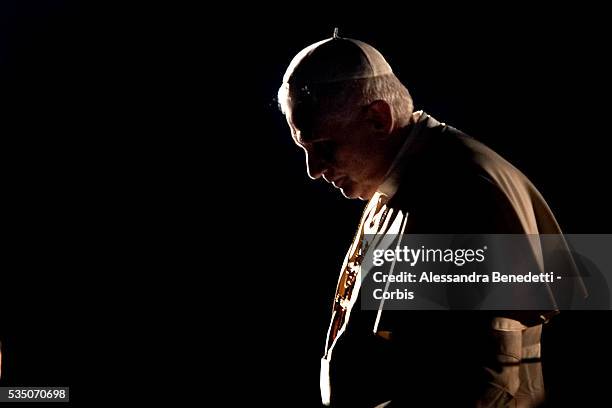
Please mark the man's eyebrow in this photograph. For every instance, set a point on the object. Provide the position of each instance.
(298, 137)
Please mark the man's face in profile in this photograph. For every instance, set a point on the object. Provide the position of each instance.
(346, 153)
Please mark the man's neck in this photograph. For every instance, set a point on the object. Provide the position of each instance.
(398, 140)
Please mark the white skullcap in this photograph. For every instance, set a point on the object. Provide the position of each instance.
(335, 59)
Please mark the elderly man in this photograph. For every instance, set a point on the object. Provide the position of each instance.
(356, 124)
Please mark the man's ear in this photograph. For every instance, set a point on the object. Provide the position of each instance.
(380, 117)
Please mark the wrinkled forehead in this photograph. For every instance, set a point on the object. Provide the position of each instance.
(302, 109)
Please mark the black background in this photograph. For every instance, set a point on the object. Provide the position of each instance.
(141, 144)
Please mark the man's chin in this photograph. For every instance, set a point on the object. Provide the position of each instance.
(353, 194)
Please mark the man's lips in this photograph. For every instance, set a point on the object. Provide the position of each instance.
(338, 182)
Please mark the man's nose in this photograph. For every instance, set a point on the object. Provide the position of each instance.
(314, 166)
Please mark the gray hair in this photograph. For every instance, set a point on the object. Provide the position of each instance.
(340, 100)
